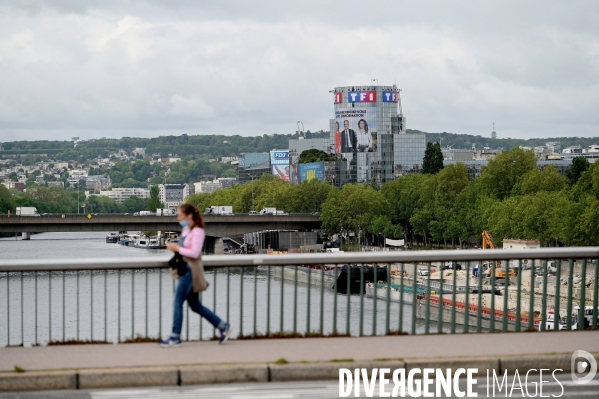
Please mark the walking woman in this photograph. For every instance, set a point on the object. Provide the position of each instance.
(190, 246)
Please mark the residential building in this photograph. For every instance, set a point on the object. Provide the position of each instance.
(121, 195)
(173, 195)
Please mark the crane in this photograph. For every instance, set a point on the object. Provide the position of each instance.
(488, 240)
(488, 243)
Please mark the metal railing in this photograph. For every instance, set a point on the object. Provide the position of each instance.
(375, 293)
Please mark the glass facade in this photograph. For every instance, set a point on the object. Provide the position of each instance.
(368, 134)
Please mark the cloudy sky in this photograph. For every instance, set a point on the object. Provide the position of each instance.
(148, 68)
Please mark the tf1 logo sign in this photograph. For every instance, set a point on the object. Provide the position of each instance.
(390, 97)
(361, 96)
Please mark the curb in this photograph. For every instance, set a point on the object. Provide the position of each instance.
(262, 372)
(128, 377)
(38, 380)
(322, 371)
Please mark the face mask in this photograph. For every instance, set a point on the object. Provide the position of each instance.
(184, 223)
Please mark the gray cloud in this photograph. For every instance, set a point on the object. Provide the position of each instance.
(145, 68)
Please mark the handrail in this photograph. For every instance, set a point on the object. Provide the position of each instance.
(222, 261)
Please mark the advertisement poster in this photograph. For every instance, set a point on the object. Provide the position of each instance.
(279, 161)
(355, 130)
(309, 171)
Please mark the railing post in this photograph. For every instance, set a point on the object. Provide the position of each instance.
(35, 308)
(467, 304)
(492, 315)
(388, 311)
(570, 293)
(295, 300)
(596, 294)
(241, 302)
(581, 310)
(348, 293)
(309, 308)
(401, 293)
(544, 298)
(374, 299)
(556, 318)
(519, 296)
(480, 298)
(322, 299)
(427, 316)
(506, 292)
(453, 296)
(255, 296)
(335, 300)
(440, 320)
(268, 302)
(414, 298)
(531, 309)
(362, 300)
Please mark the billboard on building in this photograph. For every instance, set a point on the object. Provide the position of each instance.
(355, 130)
(279, 161)
(309, 171)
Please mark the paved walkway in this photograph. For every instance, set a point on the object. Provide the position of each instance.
(298, 350)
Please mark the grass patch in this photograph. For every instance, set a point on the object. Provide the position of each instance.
(19, 369)
(76, 342)
(347, 360)
(388, 359)
(140, 339)
(282, 361)
(288, 335)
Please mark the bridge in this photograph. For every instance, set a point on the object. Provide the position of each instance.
(216, 225)
(45, 301)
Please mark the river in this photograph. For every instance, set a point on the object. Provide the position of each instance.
(100, 306)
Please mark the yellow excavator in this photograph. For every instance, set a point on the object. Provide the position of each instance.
(489, 243)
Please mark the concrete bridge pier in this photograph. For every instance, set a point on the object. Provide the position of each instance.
(25, 236)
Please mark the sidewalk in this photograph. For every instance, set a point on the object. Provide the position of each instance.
(260, 356)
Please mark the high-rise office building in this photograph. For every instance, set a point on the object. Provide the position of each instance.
(368, 134)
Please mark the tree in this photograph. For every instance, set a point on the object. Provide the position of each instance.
(314, 155)
(135, 204)
(6, 201)
(579, 166)
(154, 201)
(505, 171)
(432, 162)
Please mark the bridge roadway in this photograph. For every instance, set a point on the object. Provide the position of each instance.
(98, 366)
(216, 225)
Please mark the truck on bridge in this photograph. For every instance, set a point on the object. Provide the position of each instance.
(219, 210)
(27, 211)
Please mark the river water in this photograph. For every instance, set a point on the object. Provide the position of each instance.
(112, 306)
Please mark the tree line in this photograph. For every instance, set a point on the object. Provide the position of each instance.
(512, 198)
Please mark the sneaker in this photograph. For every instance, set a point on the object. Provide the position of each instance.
(169, 342)
(224, 333)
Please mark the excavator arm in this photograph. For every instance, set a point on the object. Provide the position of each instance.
(489, 243)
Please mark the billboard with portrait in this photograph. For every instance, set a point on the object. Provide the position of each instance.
(355, 129)
(279, 162)
(309, 171)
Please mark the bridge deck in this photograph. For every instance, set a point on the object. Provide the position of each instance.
(216, 225)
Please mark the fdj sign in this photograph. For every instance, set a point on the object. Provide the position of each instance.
(361, 97)
(281, 155)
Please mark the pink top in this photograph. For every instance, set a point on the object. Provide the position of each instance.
(193, 243)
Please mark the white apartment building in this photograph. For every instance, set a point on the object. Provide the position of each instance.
(216, 184)
(121, 195)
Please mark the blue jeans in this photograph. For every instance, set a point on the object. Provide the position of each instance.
(184, 292)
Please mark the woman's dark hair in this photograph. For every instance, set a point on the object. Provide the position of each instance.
(192, 210)
(365, 124)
